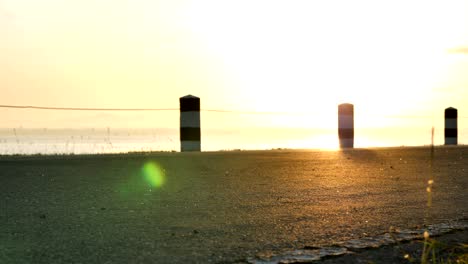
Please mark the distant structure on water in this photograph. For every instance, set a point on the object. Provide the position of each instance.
(346, 125)
(190, 134)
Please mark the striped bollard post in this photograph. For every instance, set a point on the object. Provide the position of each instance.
(346, 125)
(190, 123)
(451, 128)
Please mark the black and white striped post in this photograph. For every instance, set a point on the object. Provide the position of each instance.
(190, 123)
(451, 127)
(346, 125)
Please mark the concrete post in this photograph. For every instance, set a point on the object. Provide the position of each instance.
(346, 125)
(451, 126)
(190, 123)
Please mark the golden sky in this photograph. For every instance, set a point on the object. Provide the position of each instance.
(390, 58)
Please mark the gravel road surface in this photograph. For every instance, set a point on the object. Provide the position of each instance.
(220, 207)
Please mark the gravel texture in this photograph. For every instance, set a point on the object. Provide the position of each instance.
(220, 207)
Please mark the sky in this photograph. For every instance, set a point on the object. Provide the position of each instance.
(401, 63)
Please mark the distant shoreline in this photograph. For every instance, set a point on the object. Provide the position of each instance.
(138, 154)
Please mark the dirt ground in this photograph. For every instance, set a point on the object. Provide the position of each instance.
(220, 207)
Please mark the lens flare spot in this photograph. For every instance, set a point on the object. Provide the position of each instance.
(153, 174)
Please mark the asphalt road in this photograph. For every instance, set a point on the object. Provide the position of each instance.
(219, 207)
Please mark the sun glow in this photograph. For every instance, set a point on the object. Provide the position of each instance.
(323, 142)
(295, 59)
(305, 56)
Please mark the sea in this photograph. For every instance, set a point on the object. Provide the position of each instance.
(30, 141)
(102, 140)
(64, 141)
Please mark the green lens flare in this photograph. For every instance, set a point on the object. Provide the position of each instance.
(153, 174)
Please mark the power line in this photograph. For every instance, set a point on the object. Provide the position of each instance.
(85, 109)
(256, 112)
(204, 110)
(140, 109)
(400, 116)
